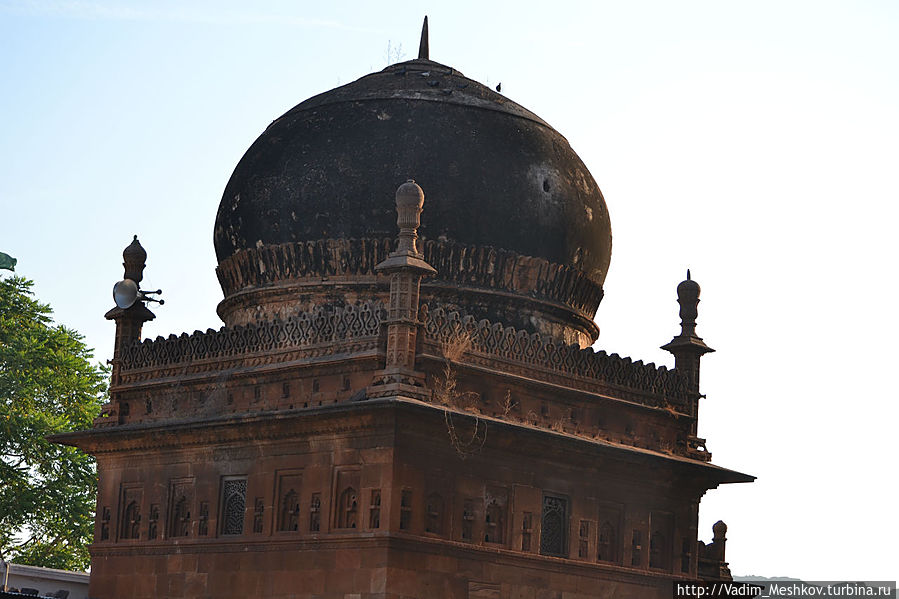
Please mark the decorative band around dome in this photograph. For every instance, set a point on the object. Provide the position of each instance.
(485, 267)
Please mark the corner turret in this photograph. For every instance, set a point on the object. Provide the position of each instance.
(130, 319)
(406, 267)
(688, 347)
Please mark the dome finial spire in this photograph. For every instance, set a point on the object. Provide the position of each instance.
(423, 51)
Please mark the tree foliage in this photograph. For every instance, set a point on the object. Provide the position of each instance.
(48, 385)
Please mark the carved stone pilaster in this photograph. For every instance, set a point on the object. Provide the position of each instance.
(406, 267)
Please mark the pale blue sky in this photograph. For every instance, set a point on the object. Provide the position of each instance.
(753, 142)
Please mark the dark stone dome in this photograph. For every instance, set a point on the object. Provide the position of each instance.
(494, 174)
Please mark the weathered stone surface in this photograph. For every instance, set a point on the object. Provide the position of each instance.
(392, 447)
(494, 173)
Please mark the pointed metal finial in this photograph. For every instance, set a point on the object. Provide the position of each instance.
(688, 274)
(423, 50)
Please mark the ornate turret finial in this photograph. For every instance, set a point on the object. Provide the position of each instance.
(135, 259)
(423, 51)
(713, 557)
(719, 529)
(409, 202)
(688, 298)
(129, 298)
(688, 347)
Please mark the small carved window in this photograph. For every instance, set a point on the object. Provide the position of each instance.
(606, 547)
(258, 513)
(686, 554)
(374, 509)
(406, 509)
(554, 529)
(657, 553)
(104, 523)
(285, 390)
(153, 526)
(180, 517)
(637, 548)
(290, 512)
(661, 531)
(346, 515)
(315, 512)
(467, 520)
(494, 522)
(583, 545)
(131, 521)
(435, 514)
(527, 529)
(234, 506)
(203, 524)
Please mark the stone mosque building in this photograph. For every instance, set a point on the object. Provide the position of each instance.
(403, 401)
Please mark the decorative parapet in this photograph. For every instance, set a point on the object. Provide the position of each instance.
(269, 264)
(324, 325)
(488, 343)
(476, 266)
(507, 271)
(568, 365)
